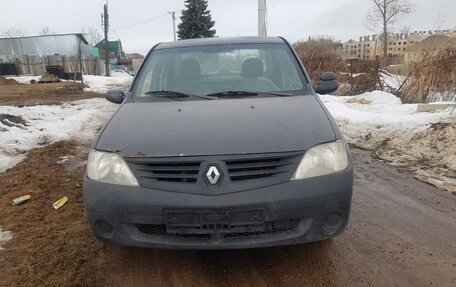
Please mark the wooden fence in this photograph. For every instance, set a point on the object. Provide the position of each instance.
(35, 65)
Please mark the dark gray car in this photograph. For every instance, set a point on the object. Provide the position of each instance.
(220, 143)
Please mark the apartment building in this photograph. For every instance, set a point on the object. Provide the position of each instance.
(365, 49)
(369, 47)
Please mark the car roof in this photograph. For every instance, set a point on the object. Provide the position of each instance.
(220, 41)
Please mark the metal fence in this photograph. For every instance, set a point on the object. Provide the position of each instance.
(35, 65)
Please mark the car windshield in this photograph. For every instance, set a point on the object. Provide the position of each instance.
(220, 71)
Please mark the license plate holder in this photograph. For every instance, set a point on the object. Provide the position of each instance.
(215, 221)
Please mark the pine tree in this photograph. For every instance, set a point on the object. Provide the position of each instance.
(196, 21)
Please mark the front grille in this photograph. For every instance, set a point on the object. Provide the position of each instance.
(237, 172)
(172, 171)
(271, 227)
(254, 168)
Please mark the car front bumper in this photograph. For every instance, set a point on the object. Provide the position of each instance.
(319, 209)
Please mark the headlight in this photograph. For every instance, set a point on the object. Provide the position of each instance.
(109, 167)
(323, 159)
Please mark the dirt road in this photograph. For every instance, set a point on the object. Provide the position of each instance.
(402, 233)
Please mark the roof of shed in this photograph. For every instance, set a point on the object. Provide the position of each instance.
(43, 45)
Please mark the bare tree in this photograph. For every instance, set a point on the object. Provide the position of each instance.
(46, 31)
(405, 30)
(385, 13)
(13, 32)
(92, 35)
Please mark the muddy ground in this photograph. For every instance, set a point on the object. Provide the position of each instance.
(42, 94)
(401, 233)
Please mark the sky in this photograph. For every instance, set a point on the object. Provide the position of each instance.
(293, 19)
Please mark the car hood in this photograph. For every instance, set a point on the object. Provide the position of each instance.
(231, 126)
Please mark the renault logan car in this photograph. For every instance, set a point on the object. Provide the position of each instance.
(220, 143)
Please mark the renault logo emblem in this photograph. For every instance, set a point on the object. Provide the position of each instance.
(213, 175)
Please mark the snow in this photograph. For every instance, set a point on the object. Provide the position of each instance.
(392, 81)
(4, 236)
(398, 133)
(354, 75)
(25, 79)
(119, 80)
(46, 124)
(377, 111)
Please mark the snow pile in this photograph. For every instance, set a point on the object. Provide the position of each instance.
(4, 236)
(120, 74)
(421, 142)
(25, 79)
(377, 111)
(22, 129)
(119, 80)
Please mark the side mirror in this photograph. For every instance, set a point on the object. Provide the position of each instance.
(115, 96)
(328, 84)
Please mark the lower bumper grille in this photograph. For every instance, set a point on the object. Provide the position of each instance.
(270, 227)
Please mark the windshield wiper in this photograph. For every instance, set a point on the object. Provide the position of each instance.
(233, 94)
(277, 94)
(247, 94)
(177, 95)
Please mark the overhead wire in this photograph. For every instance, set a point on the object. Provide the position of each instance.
(136, 24)
(142, 22)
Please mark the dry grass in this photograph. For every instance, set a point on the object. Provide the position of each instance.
(432, 78)
(49, 247)
(320, 55)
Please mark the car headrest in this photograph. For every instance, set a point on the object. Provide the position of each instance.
(252, 67)
(190, 70)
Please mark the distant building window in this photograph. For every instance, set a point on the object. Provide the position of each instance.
(404, 49)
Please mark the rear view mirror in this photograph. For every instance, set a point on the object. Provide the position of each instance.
(328, 84)
(115, 96)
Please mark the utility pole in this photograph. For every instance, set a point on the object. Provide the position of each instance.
(105, 24)
(262, 14)
(173, 16)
